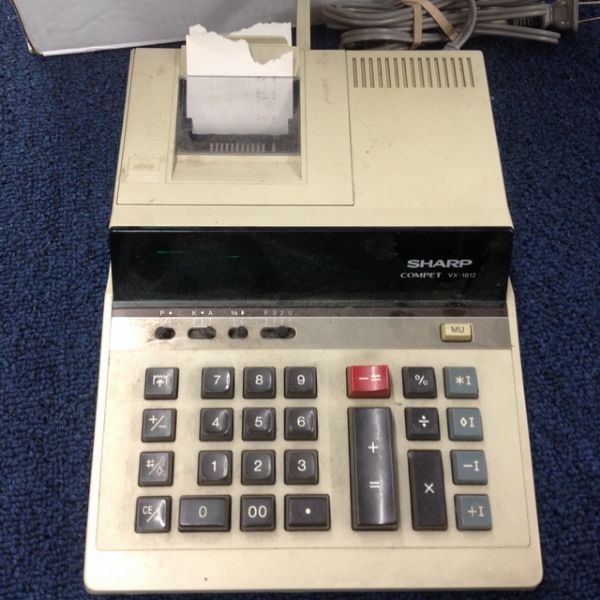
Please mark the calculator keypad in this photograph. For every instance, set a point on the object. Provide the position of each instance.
(377, 448)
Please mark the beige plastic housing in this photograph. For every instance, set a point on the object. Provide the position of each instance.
(387, 139)
(118, 559)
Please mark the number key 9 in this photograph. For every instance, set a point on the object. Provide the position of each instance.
(300, 382)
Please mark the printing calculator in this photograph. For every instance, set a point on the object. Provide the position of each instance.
(310, 375)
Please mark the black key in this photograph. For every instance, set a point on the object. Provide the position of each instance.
(204, 513)
(161, 383)
(156, 468)
(216, 424)
(259, 382)
(153, 514)
(422, 423)
(158, 425)
(257, 513)
(419, 382)
(301, 467)
(306, 513)
(217, 382)
(372, 468)
(214, 468)
(300, 382)
(301, 424)
(258, 424)
(427, 497)
(258, 467)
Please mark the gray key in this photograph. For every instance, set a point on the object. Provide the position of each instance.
(257, 513)
(461, 382)
(473, 512)
(258, 424)
(464, 425)
(300, 382)
(301, 467)
(204, 513)
(427, 497)
(214, 468)
(301, 424)
(258, 467)
(153, 514)
(372, 469)
(161, 383)
(158, 425)
(217, 382)
(259, 382)
(468, 467)
(216, 424)
(156, 468)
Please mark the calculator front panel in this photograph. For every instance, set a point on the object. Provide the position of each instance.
(506, 554)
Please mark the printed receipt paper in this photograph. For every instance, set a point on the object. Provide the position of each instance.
(228, 91)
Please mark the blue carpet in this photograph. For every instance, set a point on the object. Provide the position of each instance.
(60, 123)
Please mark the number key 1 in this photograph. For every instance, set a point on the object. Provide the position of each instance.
(214, 468)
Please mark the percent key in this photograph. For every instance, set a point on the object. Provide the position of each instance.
(419, 382)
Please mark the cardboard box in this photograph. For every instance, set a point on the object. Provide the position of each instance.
(70, 26)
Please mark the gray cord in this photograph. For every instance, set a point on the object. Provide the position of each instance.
(389, 23)
(458, 42)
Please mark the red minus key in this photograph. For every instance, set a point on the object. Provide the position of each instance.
(368, 381)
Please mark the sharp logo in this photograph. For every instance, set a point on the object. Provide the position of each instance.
(440, 263)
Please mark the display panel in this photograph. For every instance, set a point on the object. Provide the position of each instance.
(311, 266)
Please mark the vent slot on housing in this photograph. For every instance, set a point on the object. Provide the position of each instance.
(409, 72)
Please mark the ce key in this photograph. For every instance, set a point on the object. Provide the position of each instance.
(372, 468)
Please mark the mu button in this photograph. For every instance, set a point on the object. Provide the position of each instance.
(456, 332)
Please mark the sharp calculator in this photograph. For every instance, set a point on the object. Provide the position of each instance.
(310, 374)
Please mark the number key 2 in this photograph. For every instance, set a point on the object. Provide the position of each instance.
(258, 467)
